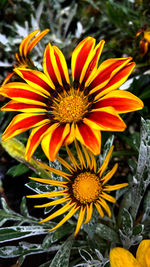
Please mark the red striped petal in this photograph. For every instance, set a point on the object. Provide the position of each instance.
(23, 93)
(121, 101)
(93, 64)
(36, 40)
(50, 66)
(107, 119)
(116, 81)
(54, 139)
(24, 44)
(23, 107)
(89, 137)
(62, 66)
(106, 71)
(71, 136)
(80, 56)
(35, 139)
(36, 79)
(21, 123)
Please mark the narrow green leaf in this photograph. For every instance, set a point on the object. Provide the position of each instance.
(138, 229)
(106, 233)
(106, 148)
(127, 222)
(23, 249)
(61, 258)
(10, 252)
(6, 207)
(142, 176)
(39, 188)
(55, 236)
(23, 208)
(17, 232)
(18, 170)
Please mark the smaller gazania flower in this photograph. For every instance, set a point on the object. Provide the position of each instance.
(59, 112)
(120, 257)
(145, 41)
(22, 58)
(84, 188)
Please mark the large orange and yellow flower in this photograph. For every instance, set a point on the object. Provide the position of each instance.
(60, 112)
(22, 56)
(120, 257)
(84, 187)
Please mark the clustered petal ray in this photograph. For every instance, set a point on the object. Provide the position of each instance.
(61, 112)
(22, 58)
(83, 188)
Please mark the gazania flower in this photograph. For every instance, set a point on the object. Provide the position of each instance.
(59, 112)
(22, 57)
(84, 188)
(120, 257)
(145, 41)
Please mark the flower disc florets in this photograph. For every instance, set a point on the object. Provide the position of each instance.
(69, 108)
(86, 187)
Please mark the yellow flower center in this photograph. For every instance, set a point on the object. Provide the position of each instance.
(86, 187)
(70, 108)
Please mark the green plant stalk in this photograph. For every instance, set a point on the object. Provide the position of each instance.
(16, 149)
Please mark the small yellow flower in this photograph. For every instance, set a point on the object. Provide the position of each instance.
(22, 56)
(84, 187)
(145, 41)
(120, 257)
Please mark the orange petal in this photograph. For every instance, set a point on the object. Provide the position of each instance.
(35, 139)
(89, 137)
(62, 66)
(139, 32)
(105, 119)
(35, 79)
(23, 93)
(106, 71)
(105, 163)
(92, 68)
(21, 123)
(54, 139)
(36, 40)
(143, 47)
(23, 107)
(121, 101)
(147, 35)
(59, 212)
(80, 219)
(67, 217)
(116, 81)
(71, 136)
(50, 66)
(89, 211)
(24, 44)
(8, 77)
(99, 209)
(81, 58)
